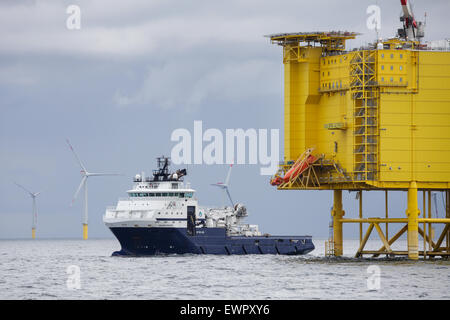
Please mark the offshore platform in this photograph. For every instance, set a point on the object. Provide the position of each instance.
(374, 118)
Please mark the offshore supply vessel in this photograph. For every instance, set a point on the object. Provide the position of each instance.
(162, 216)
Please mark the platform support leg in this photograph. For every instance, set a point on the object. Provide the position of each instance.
(33, 233)
(337, 214)
(85, 231)
(447, 215)
(413, 226)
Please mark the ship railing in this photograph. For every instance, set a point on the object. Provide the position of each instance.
(128, 214)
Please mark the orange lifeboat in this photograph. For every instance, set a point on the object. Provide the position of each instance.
(297, 169)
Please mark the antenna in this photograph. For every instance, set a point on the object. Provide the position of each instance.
(85, 175)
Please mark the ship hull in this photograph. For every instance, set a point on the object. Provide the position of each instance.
(157, 241)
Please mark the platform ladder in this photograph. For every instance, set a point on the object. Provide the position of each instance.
(329, 244)
(365, 94)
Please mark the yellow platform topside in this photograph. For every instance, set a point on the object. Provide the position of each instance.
(379, 117)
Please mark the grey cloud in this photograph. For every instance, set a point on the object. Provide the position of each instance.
(139, 69)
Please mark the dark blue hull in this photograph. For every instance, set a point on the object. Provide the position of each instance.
(154, 241)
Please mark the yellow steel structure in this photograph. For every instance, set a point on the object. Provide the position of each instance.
(85, 231)
(377, 119)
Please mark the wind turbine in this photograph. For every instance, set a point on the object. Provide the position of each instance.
(85, 175)
(34, 216)
(224, 186)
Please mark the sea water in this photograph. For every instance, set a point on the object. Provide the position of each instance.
(77, 269)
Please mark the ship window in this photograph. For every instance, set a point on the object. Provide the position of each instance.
(401, 55)
(401, 79)
(182, 195)
(382, 79)
(174, 185)
(382, 55)
(189, 195)
(151, 194)
(392, 56)
(392, 79)
(164, 194)
(392, 67)
(382, 67)
(157, 194)
(141, 194)
(401, 68)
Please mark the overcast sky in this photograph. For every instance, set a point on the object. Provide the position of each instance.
(136, 71)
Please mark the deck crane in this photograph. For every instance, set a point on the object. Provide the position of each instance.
(412, 30)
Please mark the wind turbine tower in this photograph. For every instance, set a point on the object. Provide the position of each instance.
(85, 175)
(34, 214)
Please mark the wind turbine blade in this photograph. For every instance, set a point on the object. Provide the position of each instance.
(105, 174)
(20, 186)
(78, 190)
(228, 175)
(76, 156)
(229, 196)
(220, 185)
